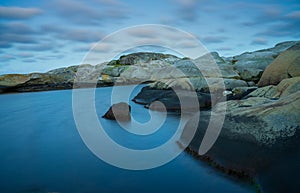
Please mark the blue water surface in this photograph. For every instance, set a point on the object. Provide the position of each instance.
(42, 151)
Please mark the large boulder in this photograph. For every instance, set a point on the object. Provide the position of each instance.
(259, 137)
(286, 65)
(251, 74)
(200, 84)
(196, 68)
(173, 100)
(262, 120)
(120, 112)
(251, 65)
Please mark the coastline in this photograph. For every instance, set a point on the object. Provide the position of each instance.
(261, 112)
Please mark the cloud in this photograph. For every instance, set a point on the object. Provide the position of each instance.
(109, 2)
(213, 39)
(187, 10)
(25, 55)
(293, 15)
(81, 35)
(15, 32)
(18, 12)
(94, 47)
(16, 38)
(81, 49)
(16, 28)
(74, 34)
(102, 47)
(271, 20)
(188, 44)
(5, 44)
(29, 60)
(260, 13)
(38, 47)
(6, 57)
(259, 41)
(142, 32)
(282, 29)
(224, 49)
(51, 57)
(75, 11)
(48, 28)
(89, 13)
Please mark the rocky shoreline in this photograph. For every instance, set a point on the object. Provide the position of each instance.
(260, 134)
(238, 71)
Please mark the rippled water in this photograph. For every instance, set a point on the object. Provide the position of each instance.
(41, 151)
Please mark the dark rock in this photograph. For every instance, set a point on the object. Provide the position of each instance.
(240, 92)
(120, 112)
(260, 137)
(170, 99)
(250, 74)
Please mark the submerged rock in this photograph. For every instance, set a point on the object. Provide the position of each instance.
(120, 112)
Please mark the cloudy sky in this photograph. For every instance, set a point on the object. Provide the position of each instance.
(42, 35)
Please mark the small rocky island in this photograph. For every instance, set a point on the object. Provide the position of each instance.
(260, 134)
(120, 112)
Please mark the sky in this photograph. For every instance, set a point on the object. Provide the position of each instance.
(37, 36)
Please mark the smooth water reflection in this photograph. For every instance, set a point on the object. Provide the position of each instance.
(41, 151)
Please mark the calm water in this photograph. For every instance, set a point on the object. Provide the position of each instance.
(41, 151)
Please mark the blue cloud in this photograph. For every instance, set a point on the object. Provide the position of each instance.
(259, 41)
(18, 12)
(88, 13)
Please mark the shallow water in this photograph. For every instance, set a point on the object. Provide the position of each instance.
(42, 151)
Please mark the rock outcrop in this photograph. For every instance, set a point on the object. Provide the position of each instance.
(132, 68)
(120, 112)
(178, 100)
(284, 88)
(251, 65)
(286, 65)
(259, 137)
(164, 69)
